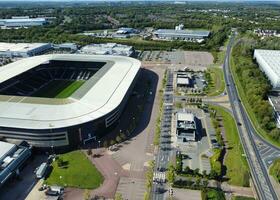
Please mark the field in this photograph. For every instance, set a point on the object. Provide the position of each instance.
(77, 171)
(59, 89)
(216, 82)
(237, 167)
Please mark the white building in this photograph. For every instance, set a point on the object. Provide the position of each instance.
(179, 33)
(23, 49)
(185, 127)
(108, 49)
(269, 63)
(183, 79)
(22, 21)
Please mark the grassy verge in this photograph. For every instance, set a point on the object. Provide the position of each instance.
(248, 108)
(237, 166)
(76, 171)
(242, 198)
(158, 122)
(274, 170)
(216, 82)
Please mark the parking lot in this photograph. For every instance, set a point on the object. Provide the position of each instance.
(194, 60)
(194, 151)
(18, 189)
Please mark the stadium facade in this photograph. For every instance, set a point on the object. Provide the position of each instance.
(90, 111)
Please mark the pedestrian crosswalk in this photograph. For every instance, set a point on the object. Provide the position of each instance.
(159, 177)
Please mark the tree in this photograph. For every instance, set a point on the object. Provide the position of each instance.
(105, 143)
(86, 194)
(112, 142)
(118, 196)
(171, 173)
(89, 152)
(118, 139)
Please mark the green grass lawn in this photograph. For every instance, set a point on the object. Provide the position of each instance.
(212, 194)
(217, 83)
(59, 89)
(237, 166)
(79, 172)
(242, 198)
(248, 108)
(274, 170)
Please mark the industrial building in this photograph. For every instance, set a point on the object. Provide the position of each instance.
(108, 49)
(269, 63)
(22, 21)
(12, 157)
(181, 34)
(125, 32)
(185, 127)
(91, 111)
(274, 100)
(11, 50)
(66, 46)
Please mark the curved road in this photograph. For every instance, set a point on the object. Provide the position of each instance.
(259, 173)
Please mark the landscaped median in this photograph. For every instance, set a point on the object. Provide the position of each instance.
(236, 164)
(74, 169)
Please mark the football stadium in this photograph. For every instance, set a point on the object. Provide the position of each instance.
(63, 100)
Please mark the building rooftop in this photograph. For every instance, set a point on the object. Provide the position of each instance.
(99, 95)
(186, 32)
(183, 80)
(271, 58)
(22, 47)
(5, 148)
(184, 116)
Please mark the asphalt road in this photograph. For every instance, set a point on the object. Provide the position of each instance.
(160, 187)
(247, 133)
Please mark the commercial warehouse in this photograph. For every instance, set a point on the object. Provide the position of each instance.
(92, 110)
(23, 21)
(180, 34)
(23, 49)
(269, 63)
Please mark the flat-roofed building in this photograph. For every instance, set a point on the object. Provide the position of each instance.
(183, 79)
(181, 34)
(23, 49)
(12, 157)
(108, 49)
(269, 63)
(22, 21)
(185, 127)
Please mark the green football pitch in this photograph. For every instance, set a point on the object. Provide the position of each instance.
(59, 89)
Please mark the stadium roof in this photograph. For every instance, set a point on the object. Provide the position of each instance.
(271, 59)
(101, 94)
